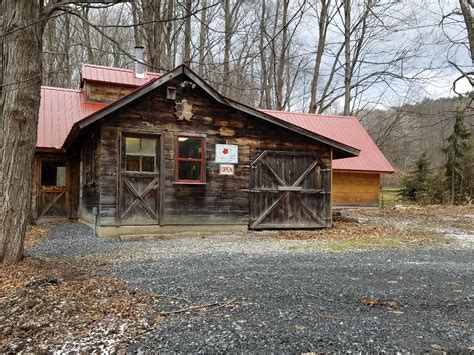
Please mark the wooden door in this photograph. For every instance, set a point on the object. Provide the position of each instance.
(53, 189)
(289, 190)
(139, 180)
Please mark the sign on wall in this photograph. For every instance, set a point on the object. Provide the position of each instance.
(226, 169)
(227, 153)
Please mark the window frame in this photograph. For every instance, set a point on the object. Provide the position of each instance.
(202, 160)
(40, 174)
(140, 156)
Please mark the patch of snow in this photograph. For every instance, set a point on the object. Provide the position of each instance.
(459, 235)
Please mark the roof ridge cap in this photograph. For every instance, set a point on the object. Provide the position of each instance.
(60, 89)
(106, 67)
(308, 113)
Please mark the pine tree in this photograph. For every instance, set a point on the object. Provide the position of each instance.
(458, 167)
(415, 185)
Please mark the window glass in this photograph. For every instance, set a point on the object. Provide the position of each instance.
(147, 146)
(61, 176)
(53, 173)
(189, 170)
(190, 147)
(133, 163)
(132, 145)
(148, 164)
(140, 154)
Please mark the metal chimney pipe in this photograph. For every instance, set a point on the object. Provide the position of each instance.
(139, 59)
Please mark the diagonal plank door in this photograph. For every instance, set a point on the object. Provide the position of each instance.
(139, 202)
(52, 188)
(289, 190)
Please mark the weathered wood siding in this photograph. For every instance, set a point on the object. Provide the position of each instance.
(89, 175)
(222, 199)
(355, 189)
(100, 92)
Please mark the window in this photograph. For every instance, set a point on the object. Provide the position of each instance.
(190, 159)
(170, 93)
(140, 154)
(53, 173)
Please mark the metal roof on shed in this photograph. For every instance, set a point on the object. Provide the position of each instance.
(59, 110)
(345, 129)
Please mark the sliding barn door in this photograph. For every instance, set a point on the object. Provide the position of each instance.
(289, 190)
(139, 180)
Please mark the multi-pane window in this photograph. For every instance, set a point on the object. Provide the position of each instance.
(140, 154)
(190, 159)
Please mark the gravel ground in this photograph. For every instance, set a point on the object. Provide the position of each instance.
(289, 299)
(71, 240)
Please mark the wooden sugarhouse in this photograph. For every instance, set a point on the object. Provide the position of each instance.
(135, 152)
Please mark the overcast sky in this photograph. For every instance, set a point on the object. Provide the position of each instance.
(413, 24)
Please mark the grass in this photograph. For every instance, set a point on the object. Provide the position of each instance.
(390, 197)
(363, 244)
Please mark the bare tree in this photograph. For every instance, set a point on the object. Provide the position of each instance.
(22, 37)
(323, 24)
(202, 38)
(347, 57)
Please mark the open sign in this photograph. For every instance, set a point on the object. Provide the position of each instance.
(226, 169)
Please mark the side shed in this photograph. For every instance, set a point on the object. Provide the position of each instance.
(355, 180)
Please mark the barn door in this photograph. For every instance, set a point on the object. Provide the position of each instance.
(52, 199)
(139, 180)
(289, 190)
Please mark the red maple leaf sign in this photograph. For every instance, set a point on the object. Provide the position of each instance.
(225, 151)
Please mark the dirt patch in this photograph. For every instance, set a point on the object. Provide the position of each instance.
(436, 216)
(58, 306)
(350, 235)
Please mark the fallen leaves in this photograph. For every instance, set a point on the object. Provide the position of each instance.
(56, 306)
(444, 216)
(35, 234)
(377, 302)
(366, 229)
(349, 235)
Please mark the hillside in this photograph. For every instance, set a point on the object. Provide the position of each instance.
(404, 132)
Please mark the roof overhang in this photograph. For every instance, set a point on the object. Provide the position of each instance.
(345, 150)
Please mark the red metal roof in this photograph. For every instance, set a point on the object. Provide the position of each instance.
(117, 76)
(343, 129)
(59, 110)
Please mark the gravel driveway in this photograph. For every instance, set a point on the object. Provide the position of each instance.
(287, 297)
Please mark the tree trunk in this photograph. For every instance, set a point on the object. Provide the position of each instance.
(202, 38)
(136, 21)
(282, 58)
(187, 33)
(152, 30)
(322, 24)
(170, 37)
(227, 43)
(347, 56)
(19, 118)
(87, 37)
(469, 20)
(263, 60)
